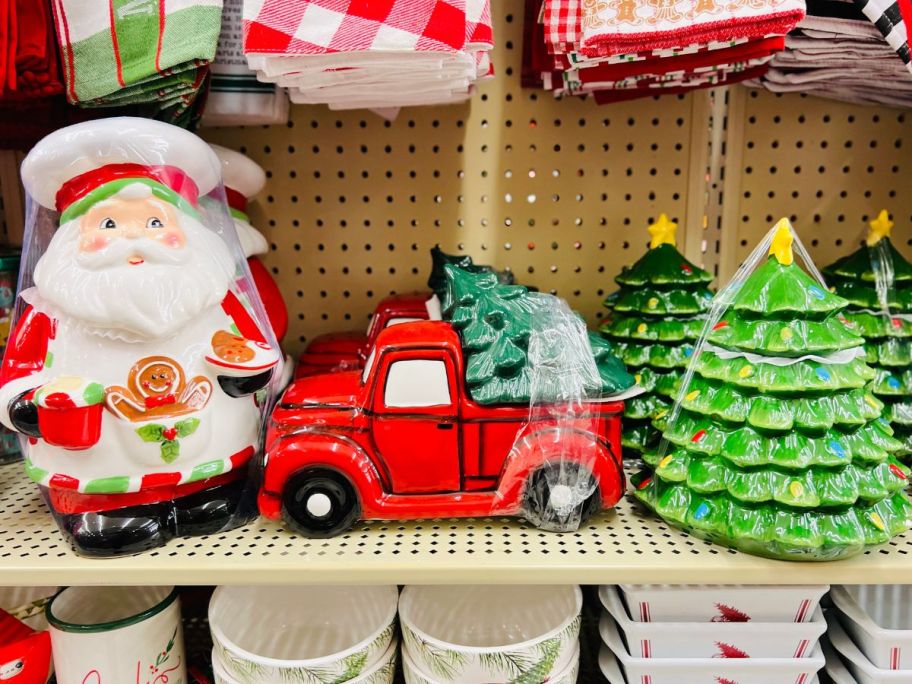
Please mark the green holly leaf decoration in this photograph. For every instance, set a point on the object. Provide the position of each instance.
(187, 426)
(170, 450)
(151, 433)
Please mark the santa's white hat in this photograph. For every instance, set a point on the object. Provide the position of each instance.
(243, 179)
(66, 168)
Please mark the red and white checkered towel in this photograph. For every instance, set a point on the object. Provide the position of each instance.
(370, 53)
(316, 27)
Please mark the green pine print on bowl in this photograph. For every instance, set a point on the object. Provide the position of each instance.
(249, 672)
(528, 666)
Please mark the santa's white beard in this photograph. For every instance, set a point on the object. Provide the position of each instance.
(152, 300)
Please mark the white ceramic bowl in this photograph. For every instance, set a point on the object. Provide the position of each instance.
(703, 670)
(413, 675)
(713, 639)
(490, 633)
(273, 635)
(381, 672)
(721, 603)
(855, 661)
(879, 621)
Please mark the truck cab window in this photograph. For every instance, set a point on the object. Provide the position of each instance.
(416, 383)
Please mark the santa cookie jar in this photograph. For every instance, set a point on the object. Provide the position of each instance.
(133, 369)
(244, 179)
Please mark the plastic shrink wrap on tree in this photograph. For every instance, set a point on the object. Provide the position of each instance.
(141, 361)
(776, 445)
(877, 282)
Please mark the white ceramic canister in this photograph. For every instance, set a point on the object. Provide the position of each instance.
(117, 635)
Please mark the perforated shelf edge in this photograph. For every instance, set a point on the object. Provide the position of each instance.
(624, 545)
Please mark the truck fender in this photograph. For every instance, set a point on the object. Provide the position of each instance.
(308, 448)
(561, 445)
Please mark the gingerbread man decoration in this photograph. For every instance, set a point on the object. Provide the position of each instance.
(157, 388)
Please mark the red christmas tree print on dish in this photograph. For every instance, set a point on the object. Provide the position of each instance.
(729, 614)
(723, 680)
(729, 651)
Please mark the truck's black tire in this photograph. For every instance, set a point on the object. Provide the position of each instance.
(320, 502)
(538, 497)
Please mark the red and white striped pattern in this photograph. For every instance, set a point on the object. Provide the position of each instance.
(803, 610)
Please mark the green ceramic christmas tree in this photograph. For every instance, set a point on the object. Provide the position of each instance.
(779, 448)
(437, 280)
(888, 332)
(656, 315)
(495, 322)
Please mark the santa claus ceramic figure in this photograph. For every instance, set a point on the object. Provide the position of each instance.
(133, 368)
(244, 179)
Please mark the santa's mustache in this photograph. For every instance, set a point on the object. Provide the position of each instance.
(117, 252)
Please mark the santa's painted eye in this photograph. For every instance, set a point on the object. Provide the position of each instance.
(107, 224)
(154, 222)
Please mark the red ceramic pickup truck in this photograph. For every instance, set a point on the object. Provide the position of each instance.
(404, 440)
(348, 350)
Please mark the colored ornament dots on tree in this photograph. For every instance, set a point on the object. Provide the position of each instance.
(877, 281)
(791, 459)
(656, 315)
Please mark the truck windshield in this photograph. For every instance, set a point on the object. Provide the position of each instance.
(368, 365)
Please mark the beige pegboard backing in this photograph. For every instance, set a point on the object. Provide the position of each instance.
(560, 192)
(828, 166)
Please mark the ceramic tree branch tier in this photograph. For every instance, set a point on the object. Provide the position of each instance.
(778, 447)
(657, 314)
(877, 281)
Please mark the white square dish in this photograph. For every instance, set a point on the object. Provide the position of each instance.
(714, 639)
(721, 603)
(835, 668)
(714, 670)
(878, 618)
(861, 668)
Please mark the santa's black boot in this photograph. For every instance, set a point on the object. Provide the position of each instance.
(119, 532)
(212, 510)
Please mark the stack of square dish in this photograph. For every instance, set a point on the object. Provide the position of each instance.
(695, 634)
(870, 628)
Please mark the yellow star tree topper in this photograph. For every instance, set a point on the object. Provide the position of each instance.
(781, 246)
(880, 228)
(663, 232)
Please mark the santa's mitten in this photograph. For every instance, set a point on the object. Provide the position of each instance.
(23, 413)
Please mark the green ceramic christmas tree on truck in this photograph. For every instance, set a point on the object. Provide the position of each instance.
(496, 321)
(870, 278)
(778, 448)
(657, 314)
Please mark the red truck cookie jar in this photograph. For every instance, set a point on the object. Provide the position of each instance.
(417, 435)
(348, 349)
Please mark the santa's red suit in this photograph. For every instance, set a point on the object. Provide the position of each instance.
(134, 367)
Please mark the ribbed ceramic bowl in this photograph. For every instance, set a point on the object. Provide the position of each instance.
(276, 635)
(490, 634)
(415, 676)
(879, 621)
(381, 672)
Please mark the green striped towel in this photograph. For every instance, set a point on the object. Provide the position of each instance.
(137, 52)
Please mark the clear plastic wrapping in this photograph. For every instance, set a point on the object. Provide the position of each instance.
(775, 444)
(507, 406)
(141, 361)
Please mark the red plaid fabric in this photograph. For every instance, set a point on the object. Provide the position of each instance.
(316, 27)
(479, 30)
(562, 25)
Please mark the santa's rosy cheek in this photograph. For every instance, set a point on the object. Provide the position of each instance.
(94, 243)
(173, 239)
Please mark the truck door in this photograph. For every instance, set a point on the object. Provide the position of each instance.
(415, 426)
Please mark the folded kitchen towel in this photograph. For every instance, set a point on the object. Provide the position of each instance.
(614, 27)
(119, 52)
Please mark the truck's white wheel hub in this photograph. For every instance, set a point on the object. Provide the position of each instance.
(319, 505)
(561, 496)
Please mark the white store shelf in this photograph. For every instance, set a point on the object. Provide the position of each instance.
(622, 546)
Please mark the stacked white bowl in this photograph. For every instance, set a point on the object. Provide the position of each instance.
(276, 635)
(870, 628)
(689, 634)
(490, 634)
